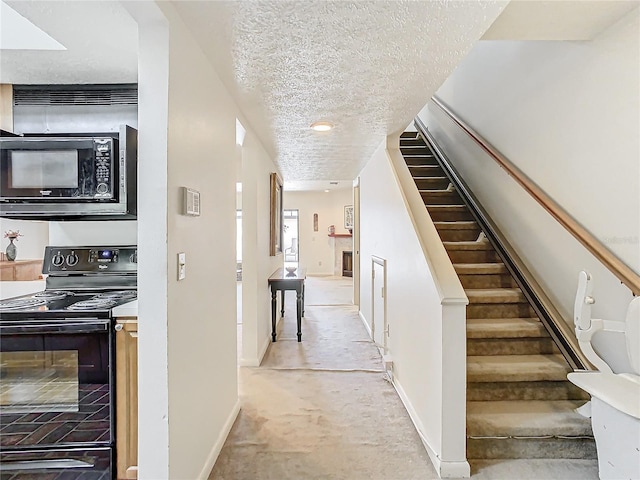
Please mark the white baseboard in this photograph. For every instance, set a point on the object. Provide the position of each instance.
(256, 362)
(248, 362)
(217, 447)
(263, 350)
(364, 322)
(444, 469)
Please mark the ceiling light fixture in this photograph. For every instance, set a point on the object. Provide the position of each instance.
(321, 126)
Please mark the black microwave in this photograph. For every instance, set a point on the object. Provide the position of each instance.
(69, 177)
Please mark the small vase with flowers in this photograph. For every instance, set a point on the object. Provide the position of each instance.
(11, 251)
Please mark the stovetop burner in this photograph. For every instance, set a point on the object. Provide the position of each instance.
(20, 303)
(104, 300)
(52, 301)
(92, 304)
(118, 294)
(53, 294)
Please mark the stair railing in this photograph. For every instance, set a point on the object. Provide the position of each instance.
(560, 330)
(622, 271)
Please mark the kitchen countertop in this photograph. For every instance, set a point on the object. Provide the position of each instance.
(126, 310)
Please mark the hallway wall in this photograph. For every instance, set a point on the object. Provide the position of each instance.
(187, 329)
(422, 316)
(257, 264)
(567, 114)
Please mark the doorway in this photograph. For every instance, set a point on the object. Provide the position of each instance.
(291, 238)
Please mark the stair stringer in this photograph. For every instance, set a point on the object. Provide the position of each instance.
(445, 445)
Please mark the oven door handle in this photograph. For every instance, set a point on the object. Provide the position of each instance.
(44, 327)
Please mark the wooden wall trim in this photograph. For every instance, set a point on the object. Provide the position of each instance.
(6, 107)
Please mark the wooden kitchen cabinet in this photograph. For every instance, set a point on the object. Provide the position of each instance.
(20, 270)
(127, 397)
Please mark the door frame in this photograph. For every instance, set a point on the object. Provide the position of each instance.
(356, 242)
(385, 325)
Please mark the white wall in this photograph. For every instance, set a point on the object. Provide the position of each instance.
(110, 232)
(425, 311)
(35, 236)
(202, 308)
(187, 332)
(567, 114)
(257, 264)
(317, 248)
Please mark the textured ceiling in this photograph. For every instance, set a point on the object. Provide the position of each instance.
(101, 40)
(368, 67)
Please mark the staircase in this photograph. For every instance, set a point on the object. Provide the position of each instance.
(519, 402)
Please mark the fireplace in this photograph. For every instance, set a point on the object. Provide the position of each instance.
(347, 263)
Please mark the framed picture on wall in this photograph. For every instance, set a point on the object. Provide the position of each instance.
(277, 213)
(348, 217)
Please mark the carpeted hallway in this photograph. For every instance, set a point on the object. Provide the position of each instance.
(323, 408)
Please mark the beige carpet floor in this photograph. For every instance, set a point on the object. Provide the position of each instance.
(323, 409)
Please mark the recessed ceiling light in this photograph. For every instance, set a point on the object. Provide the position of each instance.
(326, 191)
(321, 126)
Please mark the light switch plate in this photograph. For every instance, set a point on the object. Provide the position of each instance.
(182, 260)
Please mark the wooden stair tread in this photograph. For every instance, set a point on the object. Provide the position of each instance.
(495, 295)
(409, 134)
(521, 404)
(436, 191)
(480, 268)
(517, 368)
(465, 245)
(447, 208)
(526, 418)
(457, 225)
(505, 328)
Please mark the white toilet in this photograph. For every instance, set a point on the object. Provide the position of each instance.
(615, 397)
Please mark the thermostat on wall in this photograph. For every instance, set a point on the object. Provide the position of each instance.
(191, 201)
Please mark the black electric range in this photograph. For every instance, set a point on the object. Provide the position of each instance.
(57, 366)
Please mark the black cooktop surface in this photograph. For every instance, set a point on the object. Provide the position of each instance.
(62, 303)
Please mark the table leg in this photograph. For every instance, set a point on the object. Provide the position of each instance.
(282, 302)
(303, 298)
(299, 312)
(273, 315)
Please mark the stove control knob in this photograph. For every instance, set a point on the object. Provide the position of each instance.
(118, 327)
(133, 258)
(57, 260)
(72, 259)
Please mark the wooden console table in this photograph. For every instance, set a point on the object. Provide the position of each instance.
(283, 280)
(21, 270)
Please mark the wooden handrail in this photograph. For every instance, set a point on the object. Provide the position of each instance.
(621, 270)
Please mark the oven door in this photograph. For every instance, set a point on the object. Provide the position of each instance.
(56, 387)
(58, 169)
(70, 464)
